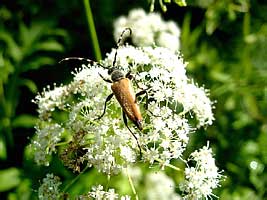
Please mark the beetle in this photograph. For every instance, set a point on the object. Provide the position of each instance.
(123, 91)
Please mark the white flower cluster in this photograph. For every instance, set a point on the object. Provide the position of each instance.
(99, 193)
(149, 29)
(169, 105)
(109, 146)
(50, 188)
(201, 179)
(47, 136)
(171, 96)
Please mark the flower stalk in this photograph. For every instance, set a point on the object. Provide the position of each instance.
(92, 30)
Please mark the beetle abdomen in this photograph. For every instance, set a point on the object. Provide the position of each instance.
(125, 95)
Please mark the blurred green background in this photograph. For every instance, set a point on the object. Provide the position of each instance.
(224, 41)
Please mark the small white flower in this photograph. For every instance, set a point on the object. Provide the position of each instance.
(98, 193)
(196, 99)
(201, 179)
(111, 195)
(151, 155)
(149, 29)
(128, 154)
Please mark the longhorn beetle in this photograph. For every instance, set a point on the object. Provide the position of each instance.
(122, 89)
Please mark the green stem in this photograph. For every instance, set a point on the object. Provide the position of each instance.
(151, 9)
(10, 101)
(74, 180)
(131, 183)
(168, 165)
(91, 27)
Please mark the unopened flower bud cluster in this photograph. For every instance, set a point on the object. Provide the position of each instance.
(50, 188)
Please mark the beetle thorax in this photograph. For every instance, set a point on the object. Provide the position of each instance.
(116, 75)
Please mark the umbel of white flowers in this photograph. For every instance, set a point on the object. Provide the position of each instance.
(149, 29)
(174, 100)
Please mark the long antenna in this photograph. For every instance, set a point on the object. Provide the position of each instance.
(118, 43)
(77, 58)
(94, 62)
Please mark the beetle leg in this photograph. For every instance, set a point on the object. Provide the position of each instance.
(146, 105)
(141, 93)
(126, 124)
(107, 100)
(129, 75)
(107, 80)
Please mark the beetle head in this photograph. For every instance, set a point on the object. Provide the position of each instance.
(115, 74)
(111, 69)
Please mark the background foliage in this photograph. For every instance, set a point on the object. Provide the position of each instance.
(224, 41)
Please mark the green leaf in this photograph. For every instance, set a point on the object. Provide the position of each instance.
(13, 49)
(29, 84)
(3, 154)
(23, 191)
(262, 141)
(25, 121)
(6, 68)
(49, 45)
(250, 148)
(9, 179)
(180, 2)
(31, 35)
(239, 193)
(220, 76)
(58, 33)
(39, 37)
(251, 105)
(38, 63)
(25, 36)
(211, 26)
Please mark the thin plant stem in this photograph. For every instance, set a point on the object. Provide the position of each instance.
(169, 165)
(131, 183)
(75, 179)
(92, 31)
(151, 9)
(173, 167)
